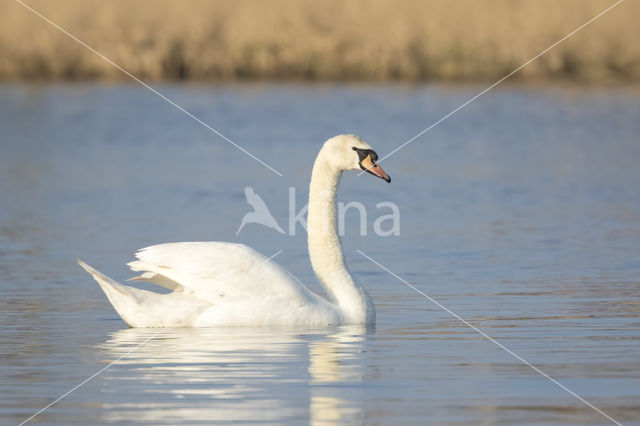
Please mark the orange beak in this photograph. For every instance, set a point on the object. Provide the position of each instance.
(371, 166)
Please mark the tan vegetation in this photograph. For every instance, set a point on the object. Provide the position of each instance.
(321, 39)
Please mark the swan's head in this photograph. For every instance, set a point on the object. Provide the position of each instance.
(349, 152)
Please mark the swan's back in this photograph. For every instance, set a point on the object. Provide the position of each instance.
(217, 270)
(214, 283)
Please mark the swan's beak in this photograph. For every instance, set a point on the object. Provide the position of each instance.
(371, 166)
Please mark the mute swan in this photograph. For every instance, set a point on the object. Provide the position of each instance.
(216, 283)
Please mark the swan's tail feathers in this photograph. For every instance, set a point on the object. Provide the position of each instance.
(122, 297)
(142, 308)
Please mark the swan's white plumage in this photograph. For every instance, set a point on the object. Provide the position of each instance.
(218, 270)
(142, 308)
(216, 283)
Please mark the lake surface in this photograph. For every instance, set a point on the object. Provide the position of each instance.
(520, 213)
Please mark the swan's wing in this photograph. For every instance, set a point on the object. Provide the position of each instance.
(255, 200)
(216, 271)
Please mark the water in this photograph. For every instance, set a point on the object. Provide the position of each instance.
(521, 214)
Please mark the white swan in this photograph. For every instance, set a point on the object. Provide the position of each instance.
(215, 283)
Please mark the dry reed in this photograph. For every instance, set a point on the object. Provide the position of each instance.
(326, 40)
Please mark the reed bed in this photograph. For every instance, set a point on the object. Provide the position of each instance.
(321, 40)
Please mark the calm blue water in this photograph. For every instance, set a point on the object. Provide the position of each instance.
(521, 213)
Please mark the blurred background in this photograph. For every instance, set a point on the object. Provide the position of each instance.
(377, 40)
(520, 212)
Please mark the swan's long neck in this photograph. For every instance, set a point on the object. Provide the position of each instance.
(325, 249)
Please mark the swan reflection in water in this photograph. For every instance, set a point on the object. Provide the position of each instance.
(235, 374)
